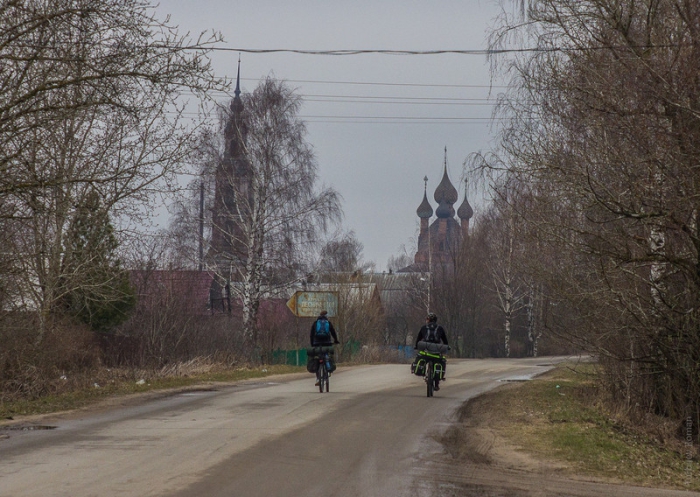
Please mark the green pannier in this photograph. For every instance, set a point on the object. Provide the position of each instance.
(418, 366)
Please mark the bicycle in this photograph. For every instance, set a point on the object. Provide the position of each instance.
(322, 374)
(321, 355)
(430, 364)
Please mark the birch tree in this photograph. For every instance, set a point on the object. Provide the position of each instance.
(504, 262)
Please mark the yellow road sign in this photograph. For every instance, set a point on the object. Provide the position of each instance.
(310, 304)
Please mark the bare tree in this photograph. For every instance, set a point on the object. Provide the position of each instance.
(341, 254)
(91, 60)
(604, 131)
(89, 109)
(504, 261)
(399, 261)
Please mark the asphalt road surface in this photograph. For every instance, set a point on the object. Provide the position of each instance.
(372, 435)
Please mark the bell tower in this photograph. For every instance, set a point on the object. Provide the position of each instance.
(233, 192)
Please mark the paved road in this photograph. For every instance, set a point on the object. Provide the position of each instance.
(370, 436)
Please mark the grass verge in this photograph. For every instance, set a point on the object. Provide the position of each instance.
(556, 417)
(113, 383)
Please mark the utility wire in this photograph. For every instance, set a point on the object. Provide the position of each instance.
(362, 101)
(403, 118)
(353, 119)
(481, 51)
(417, 85)
(398, 98)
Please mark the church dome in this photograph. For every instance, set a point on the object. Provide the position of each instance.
(446, 191)
(425, 210)
(444, 210)
(465, 210)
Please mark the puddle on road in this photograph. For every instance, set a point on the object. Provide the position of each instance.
(512, 379)
(27, 427)
(199, 391)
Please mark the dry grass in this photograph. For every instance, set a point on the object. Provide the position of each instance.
(557, 417)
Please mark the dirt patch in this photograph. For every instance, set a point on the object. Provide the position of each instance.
(474, 438)
(478, 461)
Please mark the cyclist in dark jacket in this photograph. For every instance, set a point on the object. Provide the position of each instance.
(431, 331)
(319, 339)
(434, 333)
(321, 333)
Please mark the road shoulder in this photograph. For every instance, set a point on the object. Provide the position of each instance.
(482, 456)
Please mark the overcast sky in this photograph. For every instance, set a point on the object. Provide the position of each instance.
(374, 141)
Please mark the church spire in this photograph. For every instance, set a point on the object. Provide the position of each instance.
(237, 103)
(237, 93)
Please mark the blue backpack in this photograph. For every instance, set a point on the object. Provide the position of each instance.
(323, 328)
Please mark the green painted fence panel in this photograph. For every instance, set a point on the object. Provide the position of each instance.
(295, 357)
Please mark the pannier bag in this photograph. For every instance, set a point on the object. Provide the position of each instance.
(312, 365)
(418, 366)
(441, 367)
(331, 364)
(313, 352)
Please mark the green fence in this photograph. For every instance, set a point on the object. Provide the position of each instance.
(298, 357)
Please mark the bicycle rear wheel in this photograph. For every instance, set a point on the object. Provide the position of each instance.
(430, 381)
(322, 376)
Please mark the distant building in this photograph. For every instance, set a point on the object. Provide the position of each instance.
(232, 196)
(439, 242)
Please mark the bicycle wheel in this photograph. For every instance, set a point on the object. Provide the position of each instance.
(430, 381)
(322, 376)
(328, 381)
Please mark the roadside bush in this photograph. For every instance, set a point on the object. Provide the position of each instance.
(29, 371)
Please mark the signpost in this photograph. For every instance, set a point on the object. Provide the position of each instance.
(310, 304)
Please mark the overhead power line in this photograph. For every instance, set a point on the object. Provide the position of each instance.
(394, 102)
(402, 118)
(369, 83)
(416, 85)
(479, 51)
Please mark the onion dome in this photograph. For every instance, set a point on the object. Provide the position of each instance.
(465, 210)
(425, 210)
(446, 190)
(444, 210)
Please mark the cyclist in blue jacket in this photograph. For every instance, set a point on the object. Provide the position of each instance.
(322, 334)
(322, 331)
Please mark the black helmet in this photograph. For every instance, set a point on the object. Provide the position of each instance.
(432, 317)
